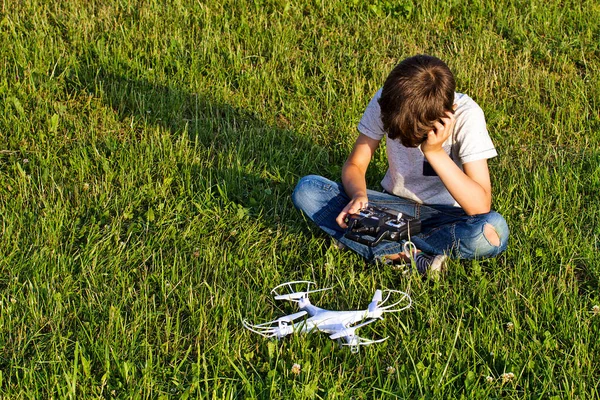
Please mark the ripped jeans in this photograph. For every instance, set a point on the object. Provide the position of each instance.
(444, 229)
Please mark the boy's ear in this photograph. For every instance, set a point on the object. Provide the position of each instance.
(454, 106)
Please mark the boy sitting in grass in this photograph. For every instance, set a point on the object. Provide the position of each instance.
(437, 150)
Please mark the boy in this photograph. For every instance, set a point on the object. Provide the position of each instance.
(437, 150)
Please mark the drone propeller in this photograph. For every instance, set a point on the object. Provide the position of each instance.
(377, 296)
(388, 308)
(376, 300)
(291, 296)
(276, 328)
(294, 295)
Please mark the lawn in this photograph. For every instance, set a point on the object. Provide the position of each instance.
(148, 152)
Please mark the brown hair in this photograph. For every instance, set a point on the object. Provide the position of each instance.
(416, 93)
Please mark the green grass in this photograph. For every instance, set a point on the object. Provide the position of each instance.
(148, 151)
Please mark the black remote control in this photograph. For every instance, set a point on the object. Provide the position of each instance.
(380, 223)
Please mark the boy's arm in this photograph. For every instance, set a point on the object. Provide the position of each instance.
(472, 189)
(353, 176)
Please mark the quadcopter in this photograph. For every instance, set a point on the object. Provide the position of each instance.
(340, 325)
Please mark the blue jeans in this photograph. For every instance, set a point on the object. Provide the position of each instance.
(444, 229)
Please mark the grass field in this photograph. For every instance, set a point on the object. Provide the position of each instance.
(148, 151)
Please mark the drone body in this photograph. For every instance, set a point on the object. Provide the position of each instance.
(340, 325)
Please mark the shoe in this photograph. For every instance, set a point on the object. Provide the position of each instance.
(430, 264)
(384, 261)
(338, 245)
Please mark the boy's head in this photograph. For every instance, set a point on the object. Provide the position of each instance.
(416, 93)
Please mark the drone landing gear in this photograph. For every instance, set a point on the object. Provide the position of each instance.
(353, 344)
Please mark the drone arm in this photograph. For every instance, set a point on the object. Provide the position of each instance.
(291, 317)
(349, 331)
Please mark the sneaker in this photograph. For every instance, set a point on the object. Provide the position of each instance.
(384, 261)
(426, 263)
(338, 245)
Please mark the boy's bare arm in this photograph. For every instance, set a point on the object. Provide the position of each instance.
(472, 188)
(353, 176)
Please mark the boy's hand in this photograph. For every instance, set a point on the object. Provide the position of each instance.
(441, 131)
(353, 207)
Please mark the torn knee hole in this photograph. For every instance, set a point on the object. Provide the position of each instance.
(491, 235)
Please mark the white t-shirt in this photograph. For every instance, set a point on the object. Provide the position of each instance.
(409, 175)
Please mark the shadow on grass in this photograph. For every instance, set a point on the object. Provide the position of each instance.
(265, 161)
(251, 166)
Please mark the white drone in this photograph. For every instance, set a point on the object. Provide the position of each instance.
(340, 325)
